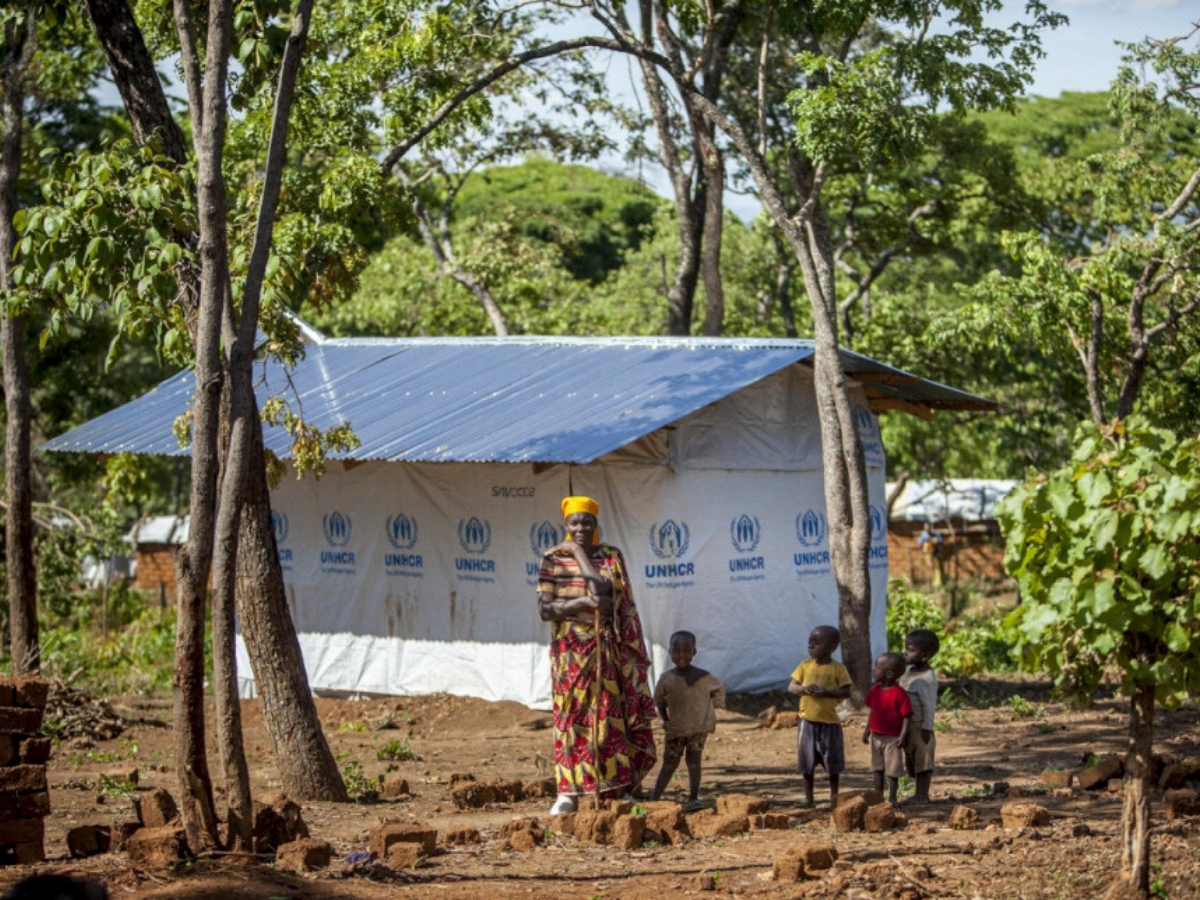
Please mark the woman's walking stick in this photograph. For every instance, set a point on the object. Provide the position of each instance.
(596, 708)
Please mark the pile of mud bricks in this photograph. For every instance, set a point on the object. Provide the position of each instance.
(24, 794)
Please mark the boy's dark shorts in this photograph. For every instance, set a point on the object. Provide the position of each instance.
(820, 742)
(674, 747)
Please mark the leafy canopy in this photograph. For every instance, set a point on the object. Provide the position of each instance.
(1107, 554)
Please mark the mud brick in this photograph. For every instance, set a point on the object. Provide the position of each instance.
(869, 796)
(542, 787)
(817, 855)
(458, 780)
(789, 867)
(524, 841)
(31, 692)
(1097, 777)
(157, 848)
(1056, 778)
(393, 786)
(156, 808)
(303, 855)
(461, 835)
(87, 840)
(8, 693)
(595, 825)
(662, 816)
(964, 818)
(1173, 776)
(29, 854)
(384, 836)
(404, 856)
(851, 814)
(22, 831)
(629, 832)
(620, 807)
(17, 720)
(512, 826)
(880, 818)
(472, 794)
(36, 805)
(34, 750)
(564, 823)
(276, 821)
(720, 825)
(120, 833)
(25, 779)
(1024, 815)
(8, 750)
(1180, 803)
(769, 822)
(508, 791)
(742, 804)
(8, 807)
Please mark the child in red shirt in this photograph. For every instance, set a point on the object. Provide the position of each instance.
(887, 724)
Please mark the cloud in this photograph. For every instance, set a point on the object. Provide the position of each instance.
(1142, 5)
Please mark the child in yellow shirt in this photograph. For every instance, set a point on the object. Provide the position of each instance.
(820, 682)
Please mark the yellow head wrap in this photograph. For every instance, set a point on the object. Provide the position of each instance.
(572, 505)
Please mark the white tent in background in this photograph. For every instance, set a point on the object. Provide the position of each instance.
(411, 565)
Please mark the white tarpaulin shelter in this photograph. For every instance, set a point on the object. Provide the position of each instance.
(411, 567)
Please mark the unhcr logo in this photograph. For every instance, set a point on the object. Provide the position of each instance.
(279, 522)
(542, 537)
(879, 547)
(337, 528)
(670, 540)
(475, 536)
(810, 528)
(811, 532)
(745, 533)
(864, 422)
(868, 432)
(401, 531)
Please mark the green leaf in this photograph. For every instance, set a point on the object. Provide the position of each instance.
(1180, 639)
(1156, 561)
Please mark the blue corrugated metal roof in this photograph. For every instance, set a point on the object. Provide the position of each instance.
(517, 399)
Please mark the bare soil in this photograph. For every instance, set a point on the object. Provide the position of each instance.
(453, 735)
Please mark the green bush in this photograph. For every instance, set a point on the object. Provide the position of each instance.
(970, 645)
(907, 611)
(978, 644)
(136, 659)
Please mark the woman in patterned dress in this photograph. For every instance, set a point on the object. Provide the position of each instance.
(609, 717)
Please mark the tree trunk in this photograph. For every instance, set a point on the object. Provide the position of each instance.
(714, 223)
(239, 825)
(20, 40)
(302, 756)
(307, 765)
(135, 76)
(191, 760)
(1134, 880)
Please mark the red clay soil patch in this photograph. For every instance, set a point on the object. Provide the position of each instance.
(1073, 854)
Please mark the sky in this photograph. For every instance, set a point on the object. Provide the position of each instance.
(1084, 56)
(1081, 56)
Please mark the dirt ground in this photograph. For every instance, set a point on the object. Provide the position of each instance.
(1012, 742)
